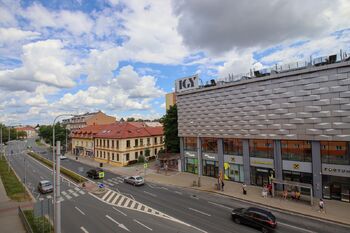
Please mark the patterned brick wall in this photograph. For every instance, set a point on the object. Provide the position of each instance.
(309, 104)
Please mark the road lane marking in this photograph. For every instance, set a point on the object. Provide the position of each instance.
(152, 194)
(109, 191)
(143, 225)
(121, 200)
(84, 230)
(110, 197)
(180, 193)
(76, 189)
(119, 224)
(80, 210)
(226, 207)
(64, 192)
(164, 188)
(198, 211)
(194, 197)
(119, 211)
(81, 192)
(115, 199)
(291, 226)
(75, 194)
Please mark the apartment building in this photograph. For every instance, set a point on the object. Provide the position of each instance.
(93, 118)
(122, 143)
(30, 131)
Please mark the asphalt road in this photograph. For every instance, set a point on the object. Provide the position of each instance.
(204, 212)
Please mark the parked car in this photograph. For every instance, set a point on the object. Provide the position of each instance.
(63, 157)
(45, 186)
(255, 217)
(134, 180)
(96, 173)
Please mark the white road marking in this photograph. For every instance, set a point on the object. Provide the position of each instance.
(119, 224)
(75, 194)
(120, 211)
(164, 188)
(110, 197)
(115, 199)
(197, 198)
(300, 229)
(180, 193)
(226, 207)
(68, 196)
(48, 196)
(81, 192)
(109, 191)
(41, 199)
(198, 211)
(152, 194)
(64, 192)
(79, 210)
(143, 225)
(84, 230)
(76, 189)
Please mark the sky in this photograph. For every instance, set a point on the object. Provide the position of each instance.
(123, 56)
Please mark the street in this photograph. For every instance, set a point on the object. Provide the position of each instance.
(150, 207)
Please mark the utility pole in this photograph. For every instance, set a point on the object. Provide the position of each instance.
(57, 217)
(66, 142)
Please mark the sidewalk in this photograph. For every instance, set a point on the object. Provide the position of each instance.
(336, 211)
(9, 219)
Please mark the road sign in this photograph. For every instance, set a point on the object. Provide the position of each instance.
(101, 185)
(145, 165)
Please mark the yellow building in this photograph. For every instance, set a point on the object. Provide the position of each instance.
(122, 143)
(170, 100)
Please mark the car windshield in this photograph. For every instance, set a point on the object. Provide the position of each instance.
(46, 184)
(138, 178)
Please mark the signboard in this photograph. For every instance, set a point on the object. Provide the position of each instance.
(297, 166)
(210, 156)
(261, 162)
(101, 175)
(187, 83)
(190, 154)
(145, 165)
(236, 159)
(336, 170)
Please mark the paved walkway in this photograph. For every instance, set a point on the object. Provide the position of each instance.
(9, 219)
(336, 211)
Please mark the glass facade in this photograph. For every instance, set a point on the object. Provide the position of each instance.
(335, 152)
(191, 165)
(296, 150)
(209, 145)
(233, 147)
(337, 188)
(210, 168)
(260, 176)
(261, 148)
(300, 177)
(190, 144)
(234, 172)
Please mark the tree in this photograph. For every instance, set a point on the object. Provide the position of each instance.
(22, 134)
(5, 133)
(171, 139)
(45, 132)
(130, 119)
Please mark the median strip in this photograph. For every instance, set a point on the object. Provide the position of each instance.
(70, 174)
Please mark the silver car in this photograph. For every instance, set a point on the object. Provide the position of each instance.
(134, 180)
(45, 186)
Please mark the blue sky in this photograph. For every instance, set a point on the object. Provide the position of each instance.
(121, 57)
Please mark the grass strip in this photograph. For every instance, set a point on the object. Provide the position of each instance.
(39, 143)
(70, 174)
(38, 224)
(14, 187)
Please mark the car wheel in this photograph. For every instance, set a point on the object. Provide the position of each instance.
(264, 230)
(237, 220)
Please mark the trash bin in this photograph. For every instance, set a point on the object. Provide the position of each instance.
(101, 164)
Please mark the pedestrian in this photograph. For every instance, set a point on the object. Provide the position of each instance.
(269, 187)
(321, 205)
(222, 185)
(264, 192)
(244, 189)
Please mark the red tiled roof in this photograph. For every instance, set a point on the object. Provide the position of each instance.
(26, 128)
(118, 130)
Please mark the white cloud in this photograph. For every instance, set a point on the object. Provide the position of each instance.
(11, 35)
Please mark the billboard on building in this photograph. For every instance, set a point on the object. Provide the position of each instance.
(187, 83)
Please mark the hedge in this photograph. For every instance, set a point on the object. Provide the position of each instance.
(39, 224)
(70, 174)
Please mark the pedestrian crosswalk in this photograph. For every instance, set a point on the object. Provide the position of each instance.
(113, 181)
(66, 194)
(117, 199)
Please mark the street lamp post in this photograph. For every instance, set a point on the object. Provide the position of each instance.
(56, 179)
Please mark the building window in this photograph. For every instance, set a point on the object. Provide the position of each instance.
(104, 143)
(148, 141)
(117, 144)
(261, 148)
(136, 155)
(296, 151)
(233, 147)
(141, 153)
(104, 154)
(190, 144)
(127, 143)
(136, 142)
(112, 143)
(117, 157)
(161, 140)
(155, 151)
(335, 152)
(210, 145)
(113, 156)
(141, 142)
(107, 143)
(108, 156)
(127, 157)
(100, 142)
(155, 141)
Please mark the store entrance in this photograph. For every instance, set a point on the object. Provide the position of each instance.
(210, 168)
(262, 177)
(336, 188)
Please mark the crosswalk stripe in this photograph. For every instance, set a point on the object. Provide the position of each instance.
(109, 191)
(81, 192)
(133, 205)
(139, 206)
(110, 197)
(75, 194)
(64, 192)
(70, 190)
(121, 200)
(76, 188)
(115, 199)
(48, 196)
(60, 199)
(127, 202)
(130, 203)
(68, 196)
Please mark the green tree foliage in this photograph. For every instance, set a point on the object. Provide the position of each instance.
(130, 119)
(22, 134)
(171, 139)
(45, 132)
(5, 133)
(147, 152)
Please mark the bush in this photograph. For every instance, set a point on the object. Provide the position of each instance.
(70, 174)
(150, 158)
(141, 159)
(38, 224)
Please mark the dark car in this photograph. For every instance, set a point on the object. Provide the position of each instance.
(45, 186)
(96, 173)
(255, 217)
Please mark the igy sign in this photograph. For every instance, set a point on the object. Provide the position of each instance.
(187, 83)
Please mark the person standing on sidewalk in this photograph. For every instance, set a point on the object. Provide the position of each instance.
(244, 189)
(321, 205)
(222, 185)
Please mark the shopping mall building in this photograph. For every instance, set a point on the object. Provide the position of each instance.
(290, 125)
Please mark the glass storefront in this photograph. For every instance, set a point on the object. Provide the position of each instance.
(191, 165)
(300, 177)
(210, 168)
(234, 172)
(261, 176)
(336, 187)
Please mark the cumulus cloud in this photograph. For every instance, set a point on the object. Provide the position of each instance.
(219, 26)
(11, 35)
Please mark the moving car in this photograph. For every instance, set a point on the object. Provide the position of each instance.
(134, 180)
(45, 186)
(255, 217)
(96, 173)
(62, 157)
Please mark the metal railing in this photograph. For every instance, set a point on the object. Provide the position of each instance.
(24, 220)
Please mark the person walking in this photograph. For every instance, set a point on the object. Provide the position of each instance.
(321, 205)
(244, 189)
(222, 185)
